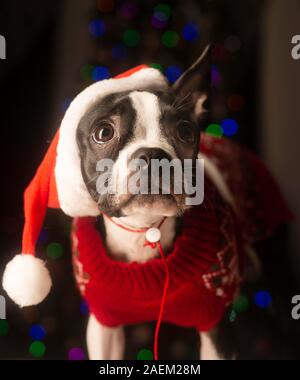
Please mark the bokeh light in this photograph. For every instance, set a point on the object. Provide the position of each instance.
(131, 37)
(84, 308)
(37, 349)
(215, 76)
(229, 127)
(157, 66)
(76, 353)
(86, 72)
(163, 8)
(54, 251)
(142, 335)
(160, 17)
(119, 52)
(218, 52)
(262, 299)
(3, 327)
(240, 304)
(178, 350)
(129, 10)
(43, 237)
(170, 38)
(37, 332)
(235, 102)
(145, 354)
(97, 28)
(105, 5)
(214, 130)
(191, 32)
(100, 73)
(159, 20)
(173, 73)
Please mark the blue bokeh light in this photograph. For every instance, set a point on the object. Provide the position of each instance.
(262, 299)
(100, 73)
(173, 73)
(119, 52)
(43, 237)
(229, 127)
(84, 308)
(191, 32)
(161, 16)
(37, 332)
(97, 28)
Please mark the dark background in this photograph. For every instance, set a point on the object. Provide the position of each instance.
(55, 49)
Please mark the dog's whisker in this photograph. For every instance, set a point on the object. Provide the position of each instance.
(182, 99)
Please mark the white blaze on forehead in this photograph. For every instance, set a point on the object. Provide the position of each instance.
(147, 133)
(147, 110)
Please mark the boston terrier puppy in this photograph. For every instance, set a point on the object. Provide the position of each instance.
(160, 125)
(142, 125)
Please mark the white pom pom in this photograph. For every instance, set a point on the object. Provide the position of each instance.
(153, 235)
(26, 280)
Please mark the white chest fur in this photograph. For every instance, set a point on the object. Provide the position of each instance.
(129, 246)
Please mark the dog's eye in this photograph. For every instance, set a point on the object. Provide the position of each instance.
(103, 133)
(186, 132)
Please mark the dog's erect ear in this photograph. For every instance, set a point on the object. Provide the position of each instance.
(193, 86)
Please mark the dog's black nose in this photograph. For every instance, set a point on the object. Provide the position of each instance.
(148, 154)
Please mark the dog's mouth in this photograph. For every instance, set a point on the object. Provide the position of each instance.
(146, 200)
(158, 204)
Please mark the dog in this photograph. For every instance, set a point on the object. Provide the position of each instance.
(146, 125)
(149, 255)
(141, 125)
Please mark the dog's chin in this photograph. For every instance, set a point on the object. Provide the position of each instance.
(150, 204)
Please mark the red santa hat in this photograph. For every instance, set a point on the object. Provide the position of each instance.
(58, 183)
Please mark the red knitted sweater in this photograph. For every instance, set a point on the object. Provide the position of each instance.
(206, 263)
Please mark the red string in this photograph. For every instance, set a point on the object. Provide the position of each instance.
(163, 300)
(132, 229)
(124, 227)
(167, 278)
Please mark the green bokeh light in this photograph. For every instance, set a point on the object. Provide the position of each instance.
(86, 72)
(54, 251)
(157, 66)
(170, 38)
(145, 354)
(3, 327)
(131, 37)
(165, 8)
(37, 349)
(240, 304)
(214, 130)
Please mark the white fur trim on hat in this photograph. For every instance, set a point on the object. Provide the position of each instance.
(26, 280)
(73, 196)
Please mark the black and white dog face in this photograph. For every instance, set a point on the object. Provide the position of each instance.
(143, 125)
